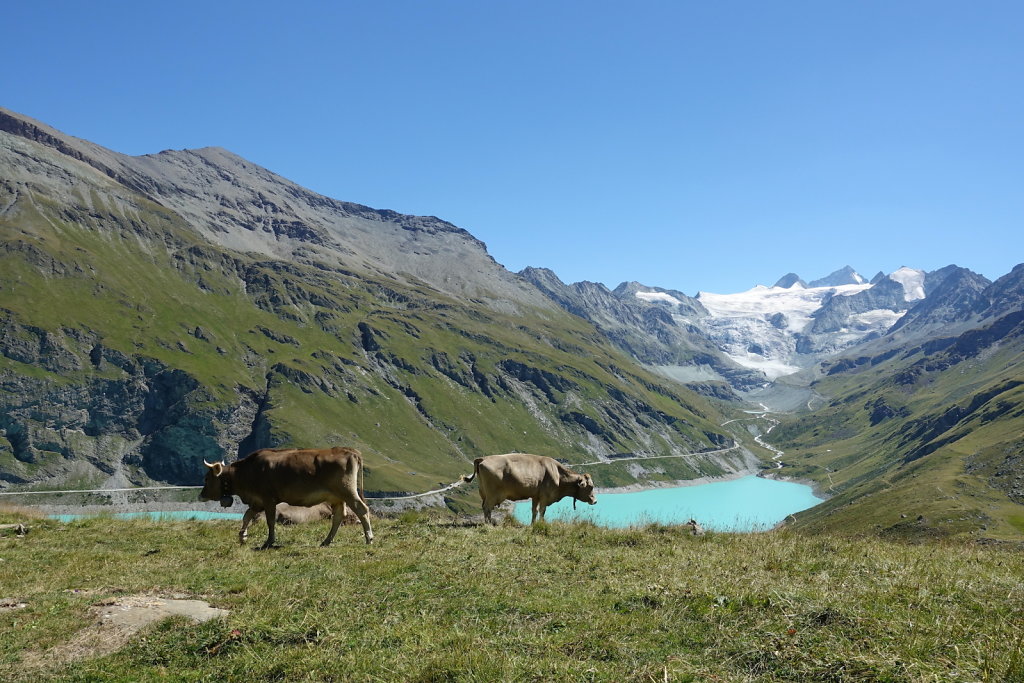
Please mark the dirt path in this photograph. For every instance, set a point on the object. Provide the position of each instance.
(113, 623)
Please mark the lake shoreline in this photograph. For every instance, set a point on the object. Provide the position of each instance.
(700, 481)
(653, 485)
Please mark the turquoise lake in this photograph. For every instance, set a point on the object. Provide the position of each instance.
(748, 504)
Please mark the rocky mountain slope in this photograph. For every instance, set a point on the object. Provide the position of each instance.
(160, 310)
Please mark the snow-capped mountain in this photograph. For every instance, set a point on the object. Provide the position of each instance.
(751, 338)
(780, 330)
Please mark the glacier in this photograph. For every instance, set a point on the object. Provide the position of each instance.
(772, 329)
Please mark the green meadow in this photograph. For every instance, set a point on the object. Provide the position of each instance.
(439, 599)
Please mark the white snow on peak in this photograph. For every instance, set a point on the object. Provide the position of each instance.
(796, 303)
(747, 325)
(912, 281)
(857, 276)
(658, 296)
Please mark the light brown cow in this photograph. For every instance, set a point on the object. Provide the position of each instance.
(295, 476)
(518, 476)
(298, 514)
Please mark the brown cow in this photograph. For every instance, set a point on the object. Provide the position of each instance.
(518, 476)
(295, 476)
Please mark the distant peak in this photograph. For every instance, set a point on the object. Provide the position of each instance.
(790, 280)
(912, 281)
(844, 276)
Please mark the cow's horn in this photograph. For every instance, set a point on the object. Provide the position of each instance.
(208, 464)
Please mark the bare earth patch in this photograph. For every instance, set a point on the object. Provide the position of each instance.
(115, 621)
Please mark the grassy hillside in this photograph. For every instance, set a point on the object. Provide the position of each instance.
(435, 600)
(927, 441)
(131, 346)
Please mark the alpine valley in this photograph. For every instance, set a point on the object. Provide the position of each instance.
(160, 310)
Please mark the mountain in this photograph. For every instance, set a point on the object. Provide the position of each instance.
(159, 310)
(782, 330)
(790, 280)
(844, 276)
(658, 327)
(955, 295)
(750, 339)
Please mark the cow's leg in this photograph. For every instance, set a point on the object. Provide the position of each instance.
(337, 514)
(271, 514)
(247, 519)
(489, 504)
(537, 510)
(362, 511)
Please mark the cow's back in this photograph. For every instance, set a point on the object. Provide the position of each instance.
(515, 476)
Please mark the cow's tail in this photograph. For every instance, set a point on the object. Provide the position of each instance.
(476, 470)
(361, 489)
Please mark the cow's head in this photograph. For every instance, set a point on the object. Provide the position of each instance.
(217, 486)
(584, 491)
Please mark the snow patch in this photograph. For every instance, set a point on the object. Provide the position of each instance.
(912, 281)
(881, 319)
(658, 296)
(773, 368)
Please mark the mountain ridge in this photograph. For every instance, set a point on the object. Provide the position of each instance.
(161, 310)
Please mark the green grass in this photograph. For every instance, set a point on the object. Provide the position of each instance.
(437, 600)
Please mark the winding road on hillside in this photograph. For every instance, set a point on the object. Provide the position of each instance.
(759, 439)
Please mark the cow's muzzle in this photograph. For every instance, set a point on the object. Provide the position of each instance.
(226, 501)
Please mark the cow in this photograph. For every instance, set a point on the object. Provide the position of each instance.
(298, 514)
(295, 476)
(518, 476)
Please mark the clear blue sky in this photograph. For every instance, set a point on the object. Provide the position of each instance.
(685, 144)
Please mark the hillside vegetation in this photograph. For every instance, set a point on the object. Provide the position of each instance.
(925, 440)
(133, 346)
(434, 600)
